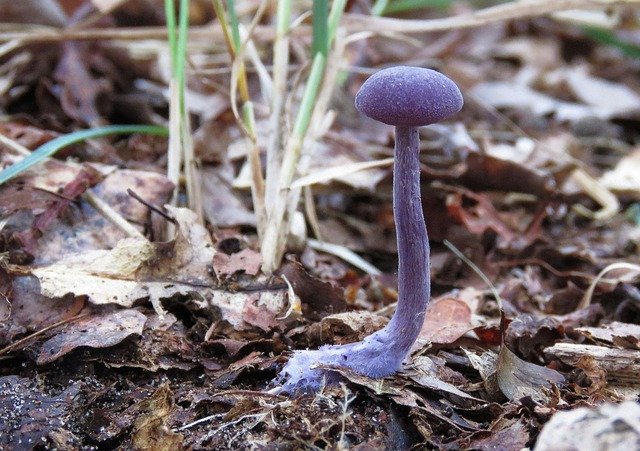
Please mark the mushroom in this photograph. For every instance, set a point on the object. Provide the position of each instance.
(407, 98)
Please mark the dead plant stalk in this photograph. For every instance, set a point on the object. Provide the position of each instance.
(352, 23)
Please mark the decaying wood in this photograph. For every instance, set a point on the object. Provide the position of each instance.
(622, 365)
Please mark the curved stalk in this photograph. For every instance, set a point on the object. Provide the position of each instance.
(413, 243)
(381, 354)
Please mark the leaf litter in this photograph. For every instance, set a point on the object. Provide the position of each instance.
(172, 341)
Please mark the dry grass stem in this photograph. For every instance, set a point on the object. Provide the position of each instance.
(328, 174)
(629, 267)
(193, 180)
(351, 22)
(507, 11)
(111, 215)
(101, 206)
(174, 155)
(345, 254)
(310, 211)
(597, 191)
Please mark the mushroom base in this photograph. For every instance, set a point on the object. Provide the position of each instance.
(376, 356)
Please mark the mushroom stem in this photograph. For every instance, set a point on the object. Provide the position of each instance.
(407, 98)
(413, 244)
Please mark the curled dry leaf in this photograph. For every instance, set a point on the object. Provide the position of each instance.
(224, 207)
(137, 269)
(610, 98)
(349, 326)
(518, 378)
(319, 298)
(515, 95)
(505, 435)
(446, 320)
(624, 178)
(34, 311)
(82, 95)
(512, 376)
(99, 331)
(104, 276)
(426, 373)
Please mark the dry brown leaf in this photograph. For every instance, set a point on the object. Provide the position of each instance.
(518, 378)
(150, 430)
(98, 331)
(446, 320)
(515, 95)
(247, 261)
(30, 414)
(136, 268)
(504, 435)
(224, 207)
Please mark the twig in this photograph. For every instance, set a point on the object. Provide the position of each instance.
(16, 344)
(151, 207)
(507, 11)
(101, 207)
(352, 23)
(111, 215)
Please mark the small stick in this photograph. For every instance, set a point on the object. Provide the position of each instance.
(16, 344)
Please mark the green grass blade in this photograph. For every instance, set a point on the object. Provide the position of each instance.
(337, 8)
(235, 25)
(171, 29)
(379, 7)
(181, 46)
(309, 95)
(50, 148)
(607, 37)
(320, 27)
(401, 6)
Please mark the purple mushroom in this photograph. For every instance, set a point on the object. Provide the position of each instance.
(406, 97)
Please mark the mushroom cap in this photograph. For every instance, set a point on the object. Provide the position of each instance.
(407, 96)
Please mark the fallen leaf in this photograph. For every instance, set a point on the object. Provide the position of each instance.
(225, 207)
(445, 321)
(505, 435)
(83, 95)
(518, 378)
(150, 430)
(624, 178)
(609, 98)
(136, 268)
(29, 416)
(347, 327)
(99, 331)
(247, 261)
(319, 298)
(33, 311)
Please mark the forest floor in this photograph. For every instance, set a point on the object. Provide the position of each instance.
(136, 311)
